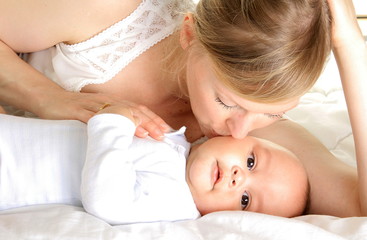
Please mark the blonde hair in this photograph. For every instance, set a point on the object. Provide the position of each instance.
(265, 50)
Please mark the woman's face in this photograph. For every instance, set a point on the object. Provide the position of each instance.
(219, 110)
(248, 174)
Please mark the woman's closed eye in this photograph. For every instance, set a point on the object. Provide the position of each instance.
(225, 106)
(275, 116)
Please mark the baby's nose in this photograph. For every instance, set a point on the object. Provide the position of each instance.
(237, 177)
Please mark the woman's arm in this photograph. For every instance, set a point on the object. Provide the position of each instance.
(28, 26)
(33, 26)
(24, 87)
(350, 52)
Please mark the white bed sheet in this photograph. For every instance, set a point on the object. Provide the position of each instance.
(322, 111)
(67, 222)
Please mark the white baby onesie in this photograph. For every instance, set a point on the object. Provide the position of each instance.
(114, 175)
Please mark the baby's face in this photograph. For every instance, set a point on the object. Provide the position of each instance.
(250, 174)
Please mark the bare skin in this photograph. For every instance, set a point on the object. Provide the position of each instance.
(66, 21)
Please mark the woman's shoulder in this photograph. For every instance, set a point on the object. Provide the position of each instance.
(92, 17)
(58, 21)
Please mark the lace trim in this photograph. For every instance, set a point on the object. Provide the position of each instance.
(111, 74)
(108, 52)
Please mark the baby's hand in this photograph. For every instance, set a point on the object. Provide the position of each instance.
(146, 122)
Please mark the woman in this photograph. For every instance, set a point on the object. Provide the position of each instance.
(226, 69)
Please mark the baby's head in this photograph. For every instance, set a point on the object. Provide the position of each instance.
(250, 174)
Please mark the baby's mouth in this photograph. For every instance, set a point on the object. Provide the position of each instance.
(217, 174)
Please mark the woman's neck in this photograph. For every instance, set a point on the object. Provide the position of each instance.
(173, 67)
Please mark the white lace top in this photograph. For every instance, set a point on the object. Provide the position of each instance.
(100, 58)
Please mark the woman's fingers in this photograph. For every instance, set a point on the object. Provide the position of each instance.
(150, 123)
(147, 122)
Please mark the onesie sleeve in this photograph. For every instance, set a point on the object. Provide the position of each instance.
(108, 176)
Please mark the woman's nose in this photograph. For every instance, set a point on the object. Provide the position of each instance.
(237, 177)
(241, 124)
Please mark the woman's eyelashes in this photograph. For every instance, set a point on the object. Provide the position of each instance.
(275, 116)
(228, 107)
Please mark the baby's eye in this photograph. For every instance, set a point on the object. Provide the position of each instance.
(251, 162)
(245, 200)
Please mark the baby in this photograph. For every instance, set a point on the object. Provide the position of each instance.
(123, 179)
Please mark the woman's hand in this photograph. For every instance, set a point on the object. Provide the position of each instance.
(60, 104)
(146, 122)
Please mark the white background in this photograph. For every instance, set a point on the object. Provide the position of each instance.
(361, 7)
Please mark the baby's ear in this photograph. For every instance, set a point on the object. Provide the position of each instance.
(187, 31)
